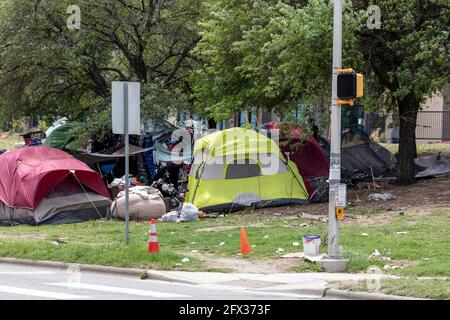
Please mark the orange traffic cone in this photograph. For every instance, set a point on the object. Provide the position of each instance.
(153, 244)
(245, 245)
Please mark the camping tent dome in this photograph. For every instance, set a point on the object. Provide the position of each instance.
(30, 179)
(239, 167)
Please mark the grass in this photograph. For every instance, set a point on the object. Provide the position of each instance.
(408, 287)
(423, 251)
(422, 148)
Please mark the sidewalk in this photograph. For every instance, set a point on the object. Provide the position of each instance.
(312, 285)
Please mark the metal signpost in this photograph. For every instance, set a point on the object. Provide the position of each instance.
(333, 262)
(126, 120)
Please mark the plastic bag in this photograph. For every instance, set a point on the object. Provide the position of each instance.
(171, 216)
(189, 212)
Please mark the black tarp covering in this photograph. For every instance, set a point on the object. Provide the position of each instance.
(360, 162)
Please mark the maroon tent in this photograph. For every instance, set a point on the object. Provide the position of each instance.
(310, 158)
(29, 176)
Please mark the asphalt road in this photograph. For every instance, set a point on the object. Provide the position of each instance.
(29, 283)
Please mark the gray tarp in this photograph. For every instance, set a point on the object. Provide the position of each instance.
(435, 166)
(164, 155)
(93, 158)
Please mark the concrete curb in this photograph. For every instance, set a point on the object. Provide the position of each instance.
(155, 275)
(344, 294)
(82, 267)
(150, 274)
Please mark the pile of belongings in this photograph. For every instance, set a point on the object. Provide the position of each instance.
(145, 203)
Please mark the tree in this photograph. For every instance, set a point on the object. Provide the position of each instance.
(409, 59)
(258, 52)
(58, 71)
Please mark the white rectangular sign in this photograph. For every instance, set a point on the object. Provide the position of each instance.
(341, 195)
(118, 105)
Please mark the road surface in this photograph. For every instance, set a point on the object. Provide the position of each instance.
(30, 283)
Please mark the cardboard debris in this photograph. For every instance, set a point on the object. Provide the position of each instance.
(293, 255)
(315, 258)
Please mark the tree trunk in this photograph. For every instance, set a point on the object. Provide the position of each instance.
(407, 151)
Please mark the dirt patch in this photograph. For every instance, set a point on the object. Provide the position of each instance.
(242, 265)
(23, 236)
(387, 217)
(425, 194)
(217, 229)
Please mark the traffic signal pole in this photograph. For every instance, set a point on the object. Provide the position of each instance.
(333, 262)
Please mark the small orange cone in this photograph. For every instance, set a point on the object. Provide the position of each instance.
(245, 245)
(153, 244)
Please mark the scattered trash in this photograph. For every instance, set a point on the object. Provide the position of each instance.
(389, 267)
(253, 245)
(295, 244)
(381, 197)
(280, 250)
(293, 255)
(402, 232)
(171, 216)
(202, 215)
(376, 253)
(315, 258)
(178, 264)
(56, 243)
(221, 244)
(303, 225)
(266, 236)
(364, 234)
(189, 212)
(194, 251)
(184, 260)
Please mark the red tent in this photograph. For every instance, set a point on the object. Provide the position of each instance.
(310, 159)
(28, 174)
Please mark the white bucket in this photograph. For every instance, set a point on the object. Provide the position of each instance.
(311, 245)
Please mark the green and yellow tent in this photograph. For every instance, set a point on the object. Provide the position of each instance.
(238, 167)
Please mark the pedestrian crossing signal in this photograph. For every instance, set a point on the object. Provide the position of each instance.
(350, 85)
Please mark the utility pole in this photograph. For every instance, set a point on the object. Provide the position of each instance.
(333, 262)
(127, 162)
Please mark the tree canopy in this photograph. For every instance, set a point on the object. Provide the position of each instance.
(219, 57)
